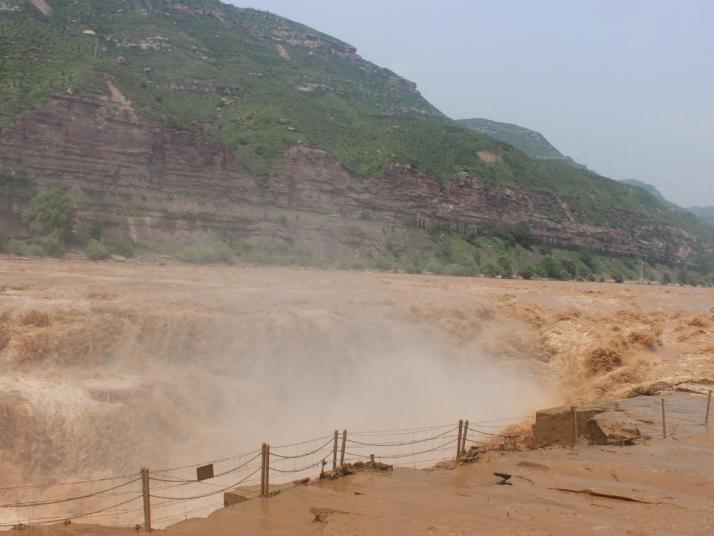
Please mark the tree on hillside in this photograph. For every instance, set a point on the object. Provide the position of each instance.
(51, 213)
(553, 268)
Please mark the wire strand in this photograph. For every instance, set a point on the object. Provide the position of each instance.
(402, 443)
(395, 431)
(184, 514)
(307, 467)
(224, 473)
(214, 462)
(73, 517)
(206, 494)
(60, 484)
(301, 442)
(305, 455)
(67, 499)
(411, 454)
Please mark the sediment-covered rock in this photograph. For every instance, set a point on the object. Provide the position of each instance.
(612, 428)
(554, 426)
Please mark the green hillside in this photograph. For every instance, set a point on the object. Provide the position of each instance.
(261, 84)
(533, 143)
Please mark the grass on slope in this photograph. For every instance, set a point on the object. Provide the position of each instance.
(37, 60)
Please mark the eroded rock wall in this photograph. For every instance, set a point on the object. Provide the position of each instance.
(153, 183)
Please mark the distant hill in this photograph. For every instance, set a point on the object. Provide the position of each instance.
(651, 189)
(706, 214)
(537, 146)
(533, 143)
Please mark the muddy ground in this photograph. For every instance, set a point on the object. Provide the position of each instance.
(106, 368)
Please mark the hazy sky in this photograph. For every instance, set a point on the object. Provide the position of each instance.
(624, 86)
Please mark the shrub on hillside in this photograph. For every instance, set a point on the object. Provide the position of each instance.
(50, 245)
(570, 267)
(683, 277)
(125, 249)
(506, 264)
(527, 272)
(494, 268)
(460, 269)
(553, 269)
(23, 248)
(585, 274)
(433, 266)
(50, 212)
(96, 250)
(588, 260)
(208, 253)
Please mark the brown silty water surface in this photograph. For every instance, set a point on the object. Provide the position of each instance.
(110, 367)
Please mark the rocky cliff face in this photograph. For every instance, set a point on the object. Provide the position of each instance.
(152, 183)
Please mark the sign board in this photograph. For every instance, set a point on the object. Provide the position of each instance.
(204, 473)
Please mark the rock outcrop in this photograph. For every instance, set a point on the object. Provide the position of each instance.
(600, 423)
(554, 426)
(612, 428)
(621, 422)
(151, 182)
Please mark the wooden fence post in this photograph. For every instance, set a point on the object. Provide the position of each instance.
(574, 415)
(463, 438)
(262, 472)
(458, 440)
(147, 499)
(664, 420)
(709, 404)
(267, 469)
(344, 446)
(334, 450)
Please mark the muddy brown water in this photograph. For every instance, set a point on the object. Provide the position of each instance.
(106, 368)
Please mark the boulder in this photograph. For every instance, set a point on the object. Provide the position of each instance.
(554, 426)
(612, 428)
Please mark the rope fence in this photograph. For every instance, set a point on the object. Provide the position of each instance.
(175, 493)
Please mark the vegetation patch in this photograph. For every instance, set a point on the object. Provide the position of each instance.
(209, 253)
